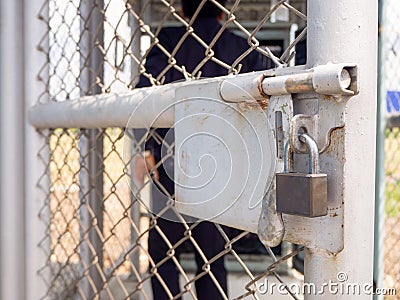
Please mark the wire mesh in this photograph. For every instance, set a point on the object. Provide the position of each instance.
(98, 210)
(392, 210)
(390, 46)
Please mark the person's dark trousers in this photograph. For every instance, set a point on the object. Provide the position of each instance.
(210, 242)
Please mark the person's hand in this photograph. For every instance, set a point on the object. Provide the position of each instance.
(144, 166)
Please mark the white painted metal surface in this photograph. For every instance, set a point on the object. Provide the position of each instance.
(108, 110)
(140, 108)
(36, 185)
(153, 106)
(12, 183)
(224, 158)
(235, 132)
(329, 79)
(342, 31)
(20, 195)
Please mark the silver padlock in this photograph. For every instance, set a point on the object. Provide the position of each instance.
(301, 193)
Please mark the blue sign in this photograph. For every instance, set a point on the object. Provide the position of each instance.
(392, 101)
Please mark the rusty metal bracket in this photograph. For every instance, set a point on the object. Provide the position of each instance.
(330, 110)
(319, 97)
(330, 86)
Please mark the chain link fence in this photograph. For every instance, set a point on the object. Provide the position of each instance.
(98, 212)
(392, 210)
(390, 85)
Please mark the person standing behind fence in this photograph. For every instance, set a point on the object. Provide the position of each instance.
(191, 53)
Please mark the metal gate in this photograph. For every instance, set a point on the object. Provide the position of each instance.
(95, 207)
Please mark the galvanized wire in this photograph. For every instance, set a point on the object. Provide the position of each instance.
(392, 210)
(97, 216)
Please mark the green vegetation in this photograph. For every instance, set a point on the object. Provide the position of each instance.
(392, 169)
(392, 206)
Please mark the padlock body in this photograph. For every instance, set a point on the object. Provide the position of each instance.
(302, 194)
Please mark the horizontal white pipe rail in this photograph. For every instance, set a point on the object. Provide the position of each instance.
(153, 106)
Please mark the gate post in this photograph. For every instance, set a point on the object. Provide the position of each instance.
(341, 31)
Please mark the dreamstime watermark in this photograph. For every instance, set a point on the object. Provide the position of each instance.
(340, 286)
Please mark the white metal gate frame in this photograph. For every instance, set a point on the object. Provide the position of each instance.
(332, 38)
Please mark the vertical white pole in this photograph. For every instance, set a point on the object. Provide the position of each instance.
(91, 151)
(380, 185)
(135, 209)
(12, 183)
(135, 44)
(35, 18)
(346, 31)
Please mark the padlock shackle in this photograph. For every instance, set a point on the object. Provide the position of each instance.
(313, 153)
